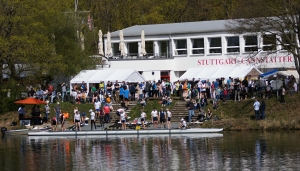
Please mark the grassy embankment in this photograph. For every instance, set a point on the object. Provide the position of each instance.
(240, 115)
(234, 115)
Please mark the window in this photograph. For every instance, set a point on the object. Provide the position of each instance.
(115, 47)
(269, 42)
(133, 48)
(250, 43)
(215, 45)
(149, 47)
(233, 44)
(198, 46)
(180, 47)
(164, 48)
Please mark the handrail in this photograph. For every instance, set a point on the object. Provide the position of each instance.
(133, 56)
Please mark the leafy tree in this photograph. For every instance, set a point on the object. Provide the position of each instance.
(39, 39)
(277, 17)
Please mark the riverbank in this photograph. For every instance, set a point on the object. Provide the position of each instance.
(234, 116)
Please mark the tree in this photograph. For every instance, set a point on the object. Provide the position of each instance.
(279, 18)
(38, 39)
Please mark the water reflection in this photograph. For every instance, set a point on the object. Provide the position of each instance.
(231, 151)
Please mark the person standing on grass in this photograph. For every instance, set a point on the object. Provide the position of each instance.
(93, 119)
(101, 118)
(123, 120)
(57, 110)
(162, 118)
(83, 118)
(154, 117)
(63, 92)
(54, 123)
(77, 121)
(282, 94)
(47, 111)
(106, 111)
(62, 121)
(169, 115)
(190, 108)
(256, 106)
(132, 92)
(143, 118)
(97, 106)
(263, 109)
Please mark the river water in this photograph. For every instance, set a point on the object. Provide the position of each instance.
(254, 150)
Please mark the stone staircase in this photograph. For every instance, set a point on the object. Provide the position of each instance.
(179, 111)
(116, 106)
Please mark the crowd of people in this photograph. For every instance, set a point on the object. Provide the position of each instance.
(195, 92)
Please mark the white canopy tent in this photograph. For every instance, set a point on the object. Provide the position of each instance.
(95, 76)
(100, 75)
(127, 75)
(217, 72)
(83, 76)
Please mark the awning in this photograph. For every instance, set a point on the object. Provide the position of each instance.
(267, 74)
(95, 76)
(204, 73)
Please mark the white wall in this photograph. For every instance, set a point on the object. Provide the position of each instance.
(148, 75)
(143, 65)
(173, 76)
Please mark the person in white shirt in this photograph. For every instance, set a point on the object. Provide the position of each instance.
(45, 94)
(93, 119)
(77, 121)
(123, 120)
(143, 118)
(163, 85)
(74, 94)
(97, 106)
(169, 116)
(199, 86)
(154, 117)
(256, 106)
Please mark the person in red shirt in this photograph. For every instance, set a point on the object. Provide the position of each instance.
(106, 111)
(50, 89)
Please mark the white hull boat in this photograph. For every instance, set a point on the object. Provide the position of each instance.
(128, 132)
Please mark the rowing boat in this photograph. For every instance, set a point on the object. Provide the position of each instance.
(128, 132)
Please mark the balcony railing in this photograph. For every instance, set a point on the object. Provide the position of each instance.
(136, 56)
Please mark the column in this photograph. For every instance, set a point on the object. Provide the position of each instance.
(224, 45)
(188, 47)
(139, 49)
(206, 46)
(155, 48)
(242, 44)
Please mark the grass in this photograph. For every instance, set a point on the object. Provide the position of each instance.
(240, 115)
